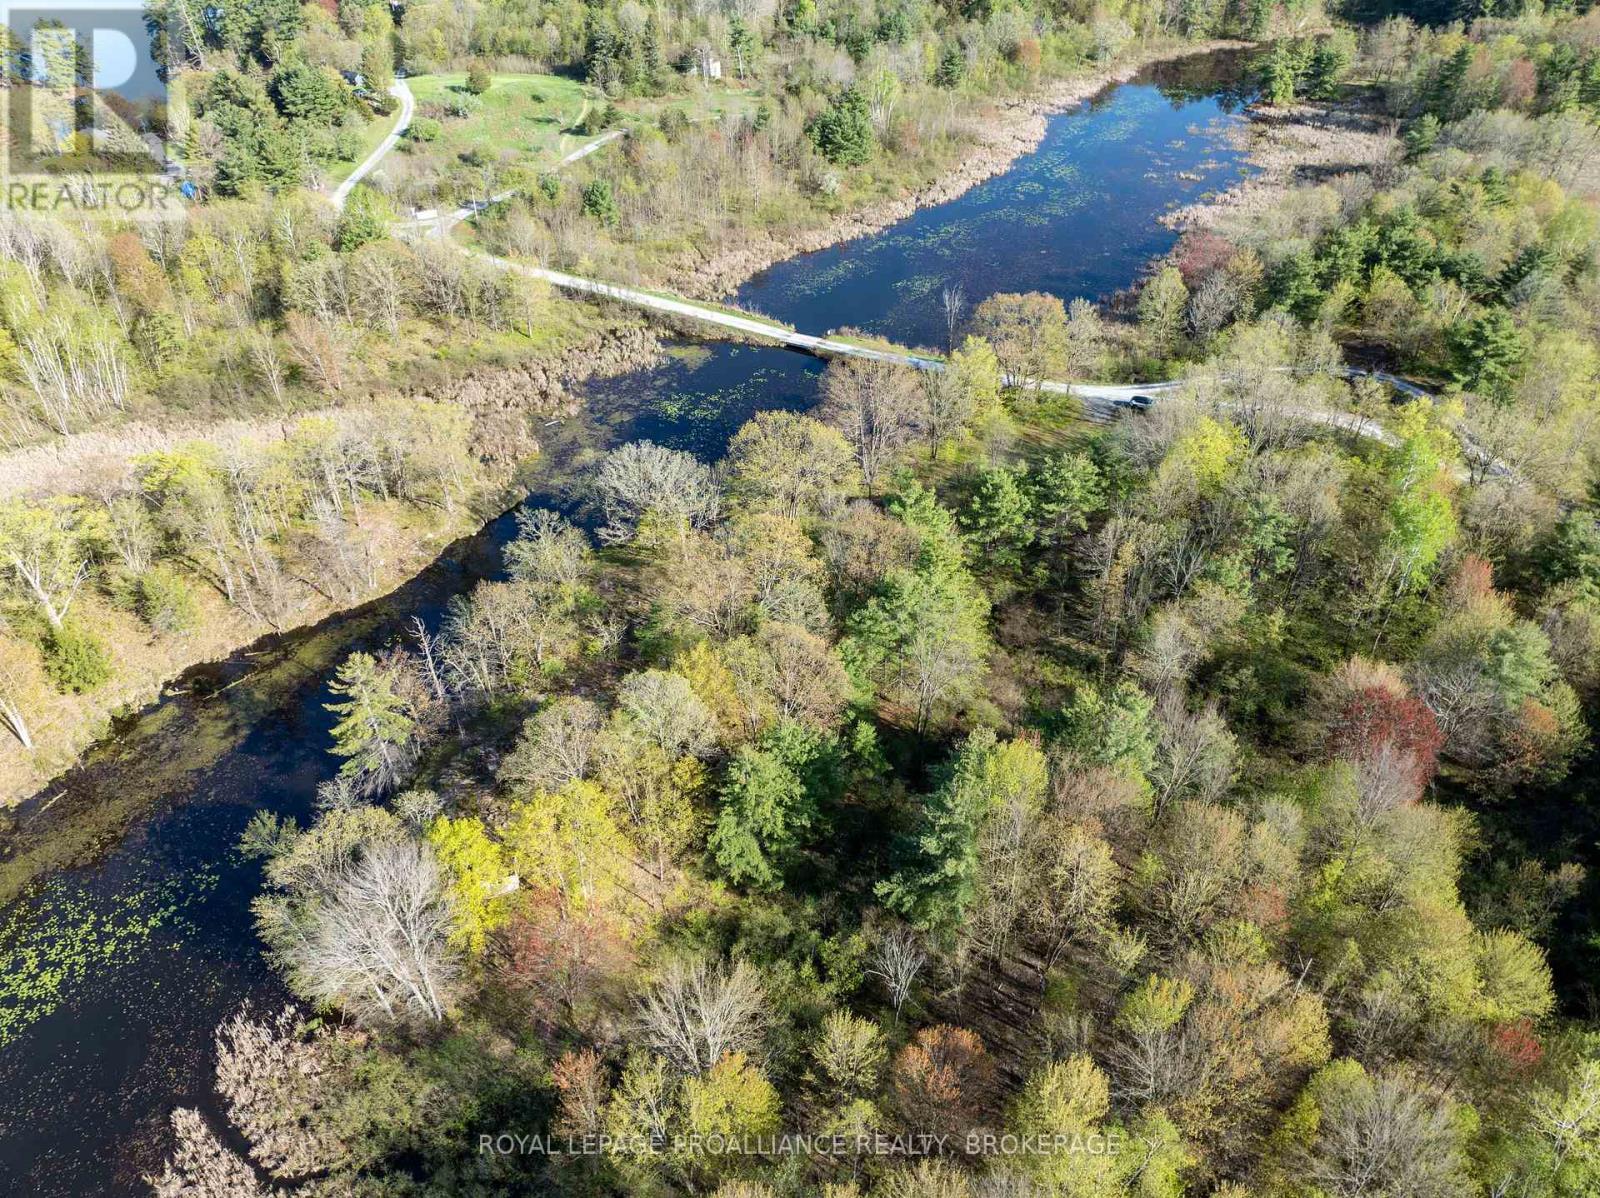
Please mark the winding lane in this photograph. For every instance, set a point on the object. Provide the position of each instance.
(408, 107)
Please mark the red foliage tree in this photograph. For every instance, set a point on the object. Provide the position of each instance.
(1520, 85)
(1472, 582)
(943, 1081)
(560, 959)
(1202, 253)
(1374, 718)
(1517, 1046)
(581, 1086)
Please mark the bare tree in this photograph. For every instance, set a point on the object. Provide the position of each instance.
(897, 960)
(666, 711)
(21, 680)
(1387, 1135)
(428, 650)
(643, 478)
(696, 1014)
(73, 371)
(954, 300)
(368, 933)
(947, 406)
(556, 746)
(876, 405)
(548, 550)
(1194, 752)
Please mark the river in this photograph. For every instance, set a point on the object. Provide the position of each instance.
(114, 972)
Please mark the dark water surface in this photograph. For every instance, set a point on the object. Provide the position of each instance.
(114, 974)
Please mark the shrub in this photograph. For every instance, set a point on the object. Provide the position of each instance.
(75, 658)
(425, 128)
(479, 79)
(164, 601)
(674, 125)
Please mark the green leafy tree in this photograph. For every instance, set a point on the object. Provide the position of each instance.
(733, 1101)
(1065, 1098)
(46, 551)
(476, 868)
(568, 841)
(1162, 303)
(977, 371)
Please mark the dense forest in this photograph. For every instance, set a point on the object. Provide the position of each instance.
(940, 796)
(265, 303)
(1192, 804)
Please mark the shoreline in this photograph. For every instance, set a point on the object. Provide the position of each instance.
(1306, 143)
(1016, 128)
(503, 401)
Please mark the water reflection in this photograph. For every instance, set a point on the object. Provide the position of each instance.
(113, 975)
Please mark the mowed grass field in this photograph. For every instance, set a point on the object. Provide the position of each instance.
(533, 115)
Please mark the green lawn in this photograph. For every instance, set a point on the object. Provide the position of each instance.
(528, 115)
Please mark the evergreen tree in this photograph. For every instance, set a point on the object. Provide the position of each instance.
(375, 729)
(365, 219)
(599, 203)
(1489, 352)
(772, 800)
(952, 68)
(842, 133)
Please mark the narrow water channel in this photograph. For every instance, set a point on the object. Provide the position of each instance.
(113, 974)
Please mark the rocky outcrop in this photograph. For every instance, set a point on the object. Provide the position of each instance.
(1010, 129)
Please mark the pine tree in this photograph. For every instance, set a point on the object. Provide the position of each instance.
(375, 730)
